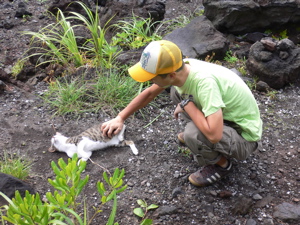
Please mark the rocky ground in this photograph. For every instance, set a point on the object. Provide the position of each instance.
(252, 194)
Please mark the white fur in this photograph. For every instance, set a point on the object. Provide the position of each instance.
(133, 149)
(86, 146)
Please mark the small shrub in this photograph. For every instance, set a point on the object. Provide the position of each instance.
(135, 32)
(16, 166)
(61, 206)
(143, 210)
(113, 92)
(251, 85)
(230, 57)
(185, 151)
(272, 94)
(277, 35)
(17, 67)
(67, 97)
(107, 92)
(57, 42)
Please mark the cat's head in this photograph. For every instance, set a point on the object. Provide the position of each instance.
(57, 141)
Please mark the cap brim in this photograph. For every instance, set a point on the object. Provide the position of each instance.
(139, 74)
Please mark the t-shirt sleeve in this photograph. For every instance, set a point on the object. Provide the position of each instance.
(210, 97)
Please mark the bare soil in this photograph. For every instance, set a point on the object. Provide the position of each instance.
(159, 173)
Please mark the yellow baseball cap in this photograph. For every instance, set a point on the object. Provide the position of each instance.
(159, 57)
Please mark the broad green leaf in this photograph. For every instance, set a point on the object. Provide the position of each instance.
(146, 222)
(142, 203)
(139, 212)
(152, 206)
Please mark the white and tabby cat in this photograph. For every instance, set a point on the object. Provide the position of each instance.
(90, 140)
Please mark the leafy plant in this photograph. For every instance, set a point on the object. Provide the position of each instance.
(283, 34)
(135, 32)
(143, 210)
(251, 85)
(101, 50)
(58, 42)
(14, 165)
(26, 18)
(272, 94)
(113, 92)
(277, 35)
(17, 68)
(61, 205)
(185, 151)
(106, 92)
(67, 96)
(241, 66)
(230, 57)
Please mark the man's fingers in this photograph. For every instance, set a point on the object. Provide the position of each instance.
(103, 126)
(109, 132)
(112, 131)
(176, 115)
(116, 131)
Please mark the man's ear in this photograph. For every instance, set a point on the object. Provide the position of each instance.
(172, 75)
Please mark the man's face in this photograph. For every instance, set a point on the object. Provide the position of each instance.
(162, 82)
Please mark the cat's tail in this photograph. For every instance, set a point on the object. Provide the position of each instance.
(132, 147)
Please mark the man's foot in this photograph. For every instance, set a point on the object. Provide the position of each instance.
(181, 138)
(209, 174)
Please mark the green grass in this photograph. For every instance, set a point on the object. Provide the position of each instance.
(112, 89)
(67, 97)
(57, 42)
(97, 46)
(17, 68)
(113, 92)
(272, 94)
(231, 58)
(135, 32)
(15, 165)
(107, 92)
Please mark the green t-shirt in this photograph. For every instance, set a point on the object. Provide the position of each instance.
(212, 87)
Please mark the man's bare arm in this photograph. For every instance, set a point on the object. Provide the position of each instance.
(211, 126)
(114, 126)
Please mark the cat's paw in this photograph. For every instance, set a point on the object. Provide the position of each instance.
(132, 147)
(52, 149)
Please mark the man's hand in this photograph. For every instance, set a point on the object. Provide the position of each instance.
(112, 127)
(177, 111)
